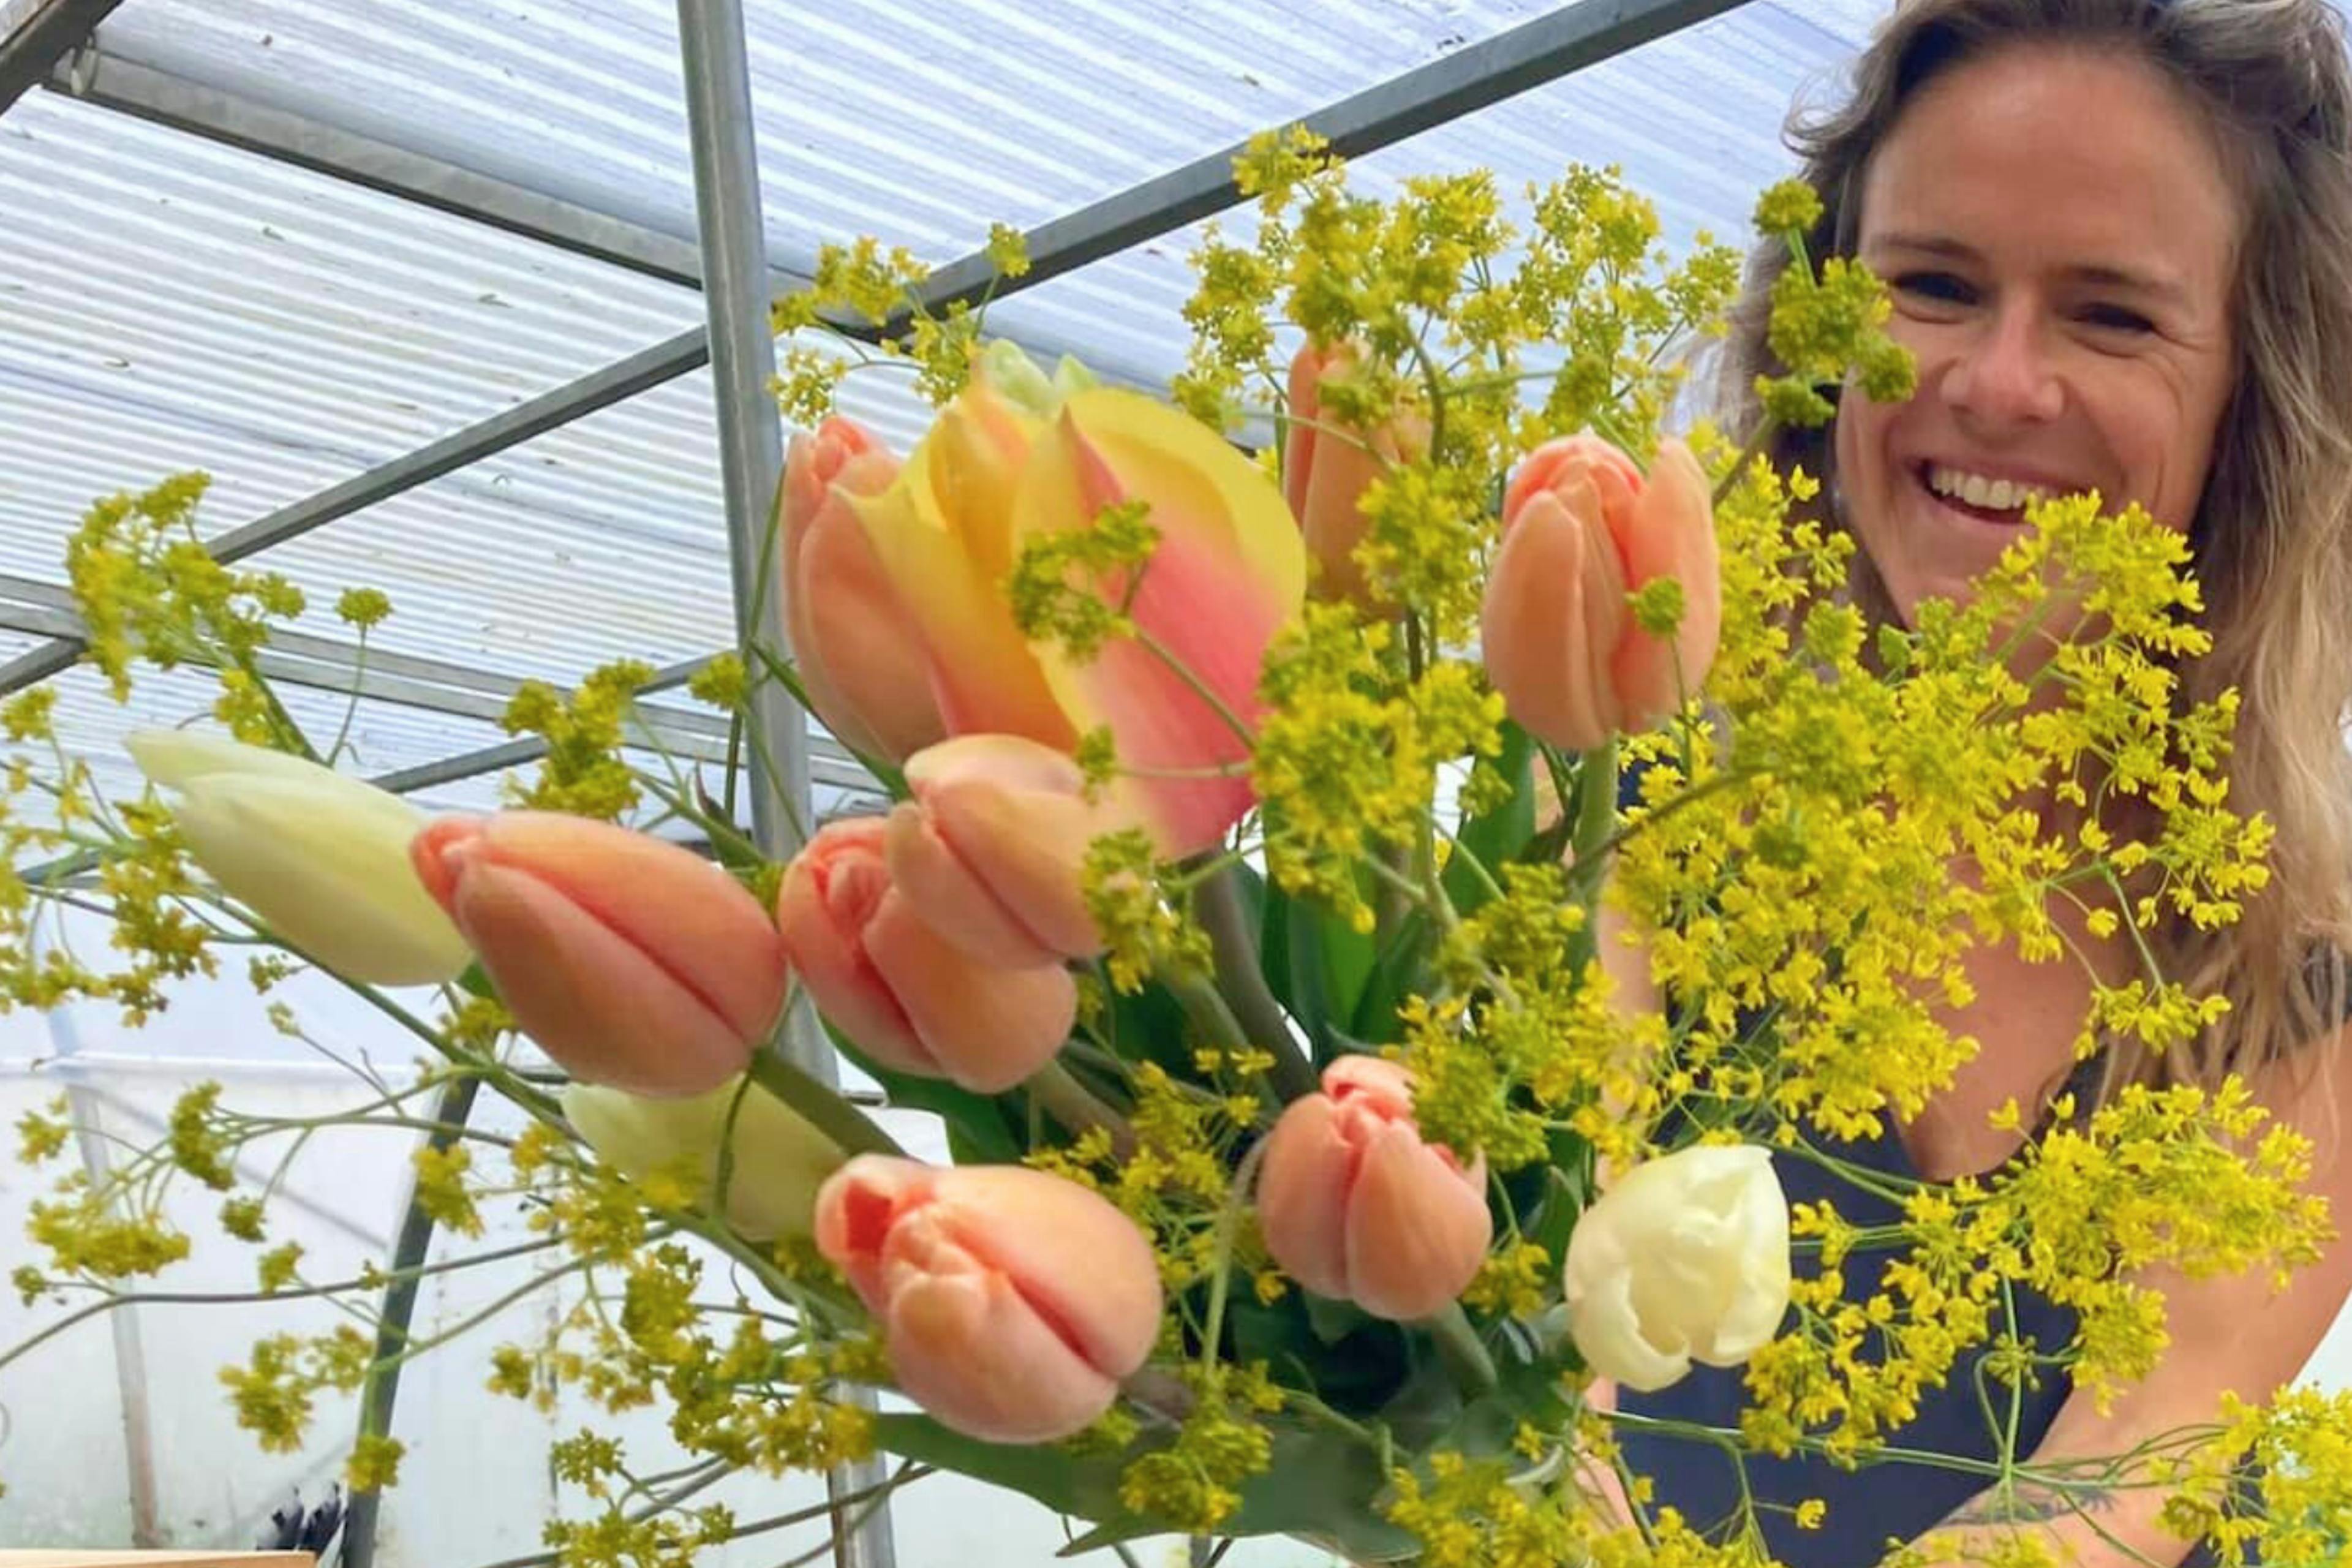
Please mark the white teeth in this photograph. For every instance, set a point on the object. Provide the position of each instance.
(1977, 491)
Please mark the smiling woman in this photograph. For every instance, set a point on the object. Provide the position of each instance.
(2068, 299)
(2118, 238)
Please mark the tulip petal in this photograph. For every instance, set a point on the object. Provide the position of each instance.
(878, 665)
(987, 1028)
(321, 856)
(998, 862)
(685, 915)
(983, 674)
(954, 901)
(969, 1351)
(831, 891)
(326, 869)
(1303, 1185)
(1229, 571)
(591, 997)
(1669, 532)
(1553, 605)
(1083, 1264)
(1417, 1228)
(856, 1208)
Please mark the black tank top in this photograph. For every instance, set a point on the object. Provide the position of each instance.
(1888, 1500)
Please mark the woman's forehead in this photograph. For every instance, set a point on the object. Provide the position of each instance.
(2094, 162)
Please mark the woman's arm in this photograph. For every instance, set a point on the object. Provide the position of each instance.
(2229, 1334)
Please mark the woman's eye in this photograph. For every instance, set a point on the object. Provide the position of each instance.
(2117, 318)
(1939, 286)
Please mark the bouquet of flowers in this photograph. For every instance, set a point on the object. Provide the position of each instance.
(1367, 910)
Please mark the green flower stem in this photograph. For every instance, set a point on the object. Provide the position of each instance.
(822, 1108)
(1458, 1346)
(1596, 814)
(382, 1384)
(1217, 906)
(1075, 1106)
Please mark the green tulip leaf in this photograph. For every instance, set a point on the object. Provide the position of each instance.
(978, 1129)
(1499, 835)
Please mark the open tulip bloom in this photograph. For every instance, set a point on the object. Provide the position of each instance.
(1257, 821)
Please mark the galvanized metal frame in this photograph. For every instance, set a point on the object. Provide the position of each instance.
(730, 259)
(31, 49)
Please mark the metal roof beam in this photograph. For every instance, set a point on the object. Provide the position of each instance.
(1528, 55)
(439, 685)
(98, 76)
(33, 39)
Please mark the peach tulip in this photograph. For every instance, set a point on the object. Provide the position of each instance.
(1228, 573)
(1326, 469)
(1012, 1302)
(632, 960)
(899, 990)
(857, 654)
(1582, 529)
(992, 848)
(1355, 1205)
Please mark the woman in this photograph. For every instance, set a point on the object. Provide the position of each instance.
(2119, 238)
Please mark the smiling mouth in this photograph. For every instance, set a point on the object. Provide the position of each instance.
(1982, 497)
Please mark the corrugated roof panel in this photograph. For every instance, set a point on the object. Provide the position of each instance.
(921, 121)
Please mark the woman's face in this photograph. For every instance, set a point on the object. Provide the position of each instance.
(2060, 239)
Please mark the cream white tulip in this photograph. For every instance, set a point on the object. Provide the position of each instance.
(320, 855)
(1685, 1258)
(779, 1159)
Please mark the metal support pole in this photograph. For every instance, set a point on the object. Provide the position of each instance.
(751, 438)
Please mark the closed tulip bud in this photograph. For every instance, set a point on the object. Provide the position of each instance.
(1582, 530)
(1012, 1302)
(1326, 467)
(632, 961)
(858, 655)
(778, 1161)
(899, 991)
(1354, 1205)
(321, 857)
(1685, 1258)
(992, 848)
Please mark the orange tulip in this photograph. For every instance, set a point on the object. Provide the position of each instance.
(632, 961)
(1355, 1205)
(1326, 469)
(899, 990)
(859, 657)
(1012, 1302)
(992, 848)
(1582, 529)
(1228, 573)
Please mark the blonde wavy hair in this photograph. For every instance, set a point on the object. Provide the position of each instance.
(2273, 536)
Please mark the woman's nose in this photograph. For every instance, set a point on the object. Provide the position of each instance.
(2004, 374)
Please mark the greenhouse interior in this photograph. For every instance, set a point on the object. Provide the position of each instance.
(476, 306)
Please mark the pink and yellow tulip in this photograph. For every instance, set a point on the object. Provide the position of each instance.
(897, 989)
(632, 961)
(1227, 574)
(1582, 529)
(858, 655)
(1355, 1205)
(1012, 1302)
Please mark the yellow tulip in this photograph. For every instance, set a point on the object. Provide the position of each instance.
(321, 857)
(780, 1161)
